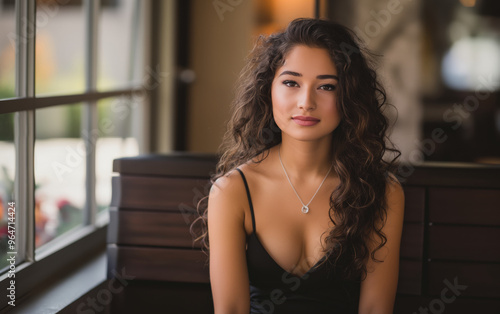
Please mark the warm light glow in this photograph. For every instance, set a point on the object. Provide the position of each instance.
(468, 3)
(284, 11)
(276, 14)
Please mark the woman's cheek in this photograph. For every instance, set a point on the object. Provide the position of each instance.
(332, 105)
(279, 111)
(279, 99)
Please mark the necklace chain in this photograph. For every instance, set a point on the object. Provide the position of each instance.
(305, 207)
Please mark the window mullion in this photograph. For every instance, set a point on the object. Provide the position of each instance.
(25, 130)
(89, 123)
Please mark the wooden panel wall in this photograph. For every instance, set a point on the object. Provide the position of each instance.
(411, 255)
(460, 267)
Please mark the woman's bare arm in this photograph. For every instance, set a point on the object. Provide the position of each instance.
(378, 290)
(227, 236)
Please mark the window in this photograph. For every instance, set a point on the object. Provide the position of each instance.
(71, 101)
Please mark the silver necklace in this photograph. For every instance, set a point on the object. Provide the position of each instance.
(305, 207)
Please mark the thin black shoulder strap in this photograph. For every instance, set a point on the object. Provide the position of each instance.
(249, 197)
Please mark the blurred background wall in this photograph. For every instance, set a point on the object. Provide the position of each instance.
(439, 61)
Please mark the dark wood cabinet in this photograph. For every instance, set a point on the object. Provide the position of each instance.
(451, 236)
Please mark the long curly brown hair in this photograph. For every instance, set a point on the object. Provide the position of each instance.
(358, 204)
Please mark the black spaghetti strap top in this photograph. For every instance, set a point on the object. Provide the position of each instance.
(274, 290)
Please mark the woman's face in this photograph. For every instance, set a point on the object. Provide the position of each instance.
(304, 94)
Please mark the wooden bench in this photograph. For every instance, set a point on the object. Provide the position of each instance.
(451, 234)
(153, 204)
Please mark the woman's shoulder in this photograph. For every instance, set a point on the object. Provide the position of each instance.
(227, 185)
(393, 184)
(232, 184)
(227, 196)
(394, 193)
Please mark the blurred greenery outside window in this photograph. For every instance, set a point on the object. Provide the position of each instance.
(62, 130)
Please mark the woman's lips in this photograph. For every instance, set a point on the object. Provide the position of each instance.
(305, 121)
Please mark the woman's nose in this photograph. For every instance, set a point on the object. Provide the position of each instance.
(307, 100)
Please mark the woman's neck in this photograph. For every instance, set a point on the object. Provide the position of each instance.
(306, 158)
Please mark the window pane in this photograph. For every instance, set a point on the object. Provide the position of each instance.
(59, 171)
(7, 175)
(60, 51)
(119, 130)
(120, 44)
(7, 50)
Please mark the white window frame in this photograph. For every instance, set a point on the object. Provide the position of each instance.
(37, 266)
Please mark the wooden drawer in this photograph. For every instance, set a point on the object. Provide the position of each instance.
(414, 304)
(150, 228)
(481, 279)
(464, 243)
(164, 264)
(410, 277)
(158, 193)
(464, 206)
(414, 203)
(412, 241)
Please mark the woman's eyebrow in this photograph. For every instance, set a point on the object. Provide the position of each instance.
(327, 76)
(290, 73)
(320, 77)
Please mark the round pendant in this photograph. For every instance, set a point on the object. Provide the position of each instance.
(305, 209)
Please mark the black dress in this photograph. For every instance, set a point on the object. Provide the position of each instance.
(274, 290)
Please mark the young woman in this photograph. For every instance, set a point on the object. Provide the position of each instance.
(304, 215)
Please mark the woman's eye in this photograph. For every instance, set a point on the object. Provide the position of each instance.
(327, 87)
(290, 83)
